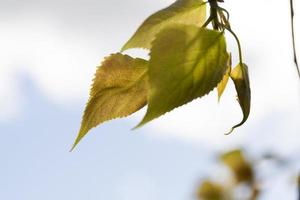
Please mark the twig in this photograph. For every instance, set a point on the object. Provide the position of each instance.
(293, 37)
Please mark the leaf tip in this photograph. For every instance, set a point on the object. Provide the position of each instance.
(124, 48)
(219, 99)
(79, 137)
(236, 126)
(75, 144)
(142, 123)
(231, 130)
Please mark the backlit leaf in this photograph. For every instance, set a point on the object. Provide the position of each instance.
(191, 12)
(186, 62)
(240, 167)
(119, 89)
(240, 77)
(222, 85)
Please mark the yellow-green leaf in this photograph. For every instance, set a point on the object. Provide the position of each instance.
(186, 62)
(191, 12)
(240, 77)
(119, 89)
(240, 167)
(211, 191)
(222, 85)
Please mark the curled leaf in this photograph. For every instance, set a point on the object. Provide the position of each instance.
(186, 62)
(240, 77)
(119, 89)
(192, 12)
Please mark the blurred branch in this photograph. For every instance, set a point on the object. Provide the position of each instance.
(255, 192)
(299, 187)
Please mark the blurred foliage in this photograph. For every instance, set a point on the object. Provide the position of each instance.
(243, 174)
(243, 178)
(210, 191)
(240, 167)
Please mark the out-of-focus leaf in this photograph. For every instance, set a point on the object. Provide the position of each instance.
(192, 12)
(119, 89)
(240, 167)
(222, 85)
(186, 62)
(240, 77)
(210, 191)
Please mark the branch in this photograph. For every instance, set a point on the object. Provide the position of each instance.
(293, 37)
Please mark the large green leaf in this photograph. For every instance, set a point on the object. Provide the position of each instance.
(240, 77)
(191, 12)
(186, 62)
(119, 89)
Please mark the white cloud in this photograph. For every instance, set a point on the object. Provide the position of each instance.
(54, 63)
(58, 49)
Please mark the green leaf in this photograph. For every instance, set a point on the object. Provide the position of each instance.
(240, 167)
(240, 77)
(222, 85)
(192, 12)
(211, 191)
(186, 62)
(119, 89)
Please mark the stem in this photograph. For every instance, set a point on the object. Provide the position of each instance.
(227, 13)
(293, 37)
(223, 18)
(207, 22)
(214, 14)
(238, 43)
(214, 18)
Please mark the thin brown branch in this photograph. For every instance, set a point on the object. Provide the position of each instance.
(293, 37)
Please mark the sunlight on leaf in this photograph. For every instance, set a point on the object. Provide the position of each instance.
(186, 62)
(222, 85)
(119, 89)
(191, 12)
(240, 77)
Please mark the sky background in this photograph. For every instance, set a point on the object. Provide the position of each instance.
(49, 53)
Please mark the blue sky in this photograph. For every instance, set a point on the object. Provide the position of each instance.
(116, 164)
(49, 52)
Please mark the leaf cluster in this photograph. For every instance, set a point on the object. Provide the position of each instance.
(187, 61)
